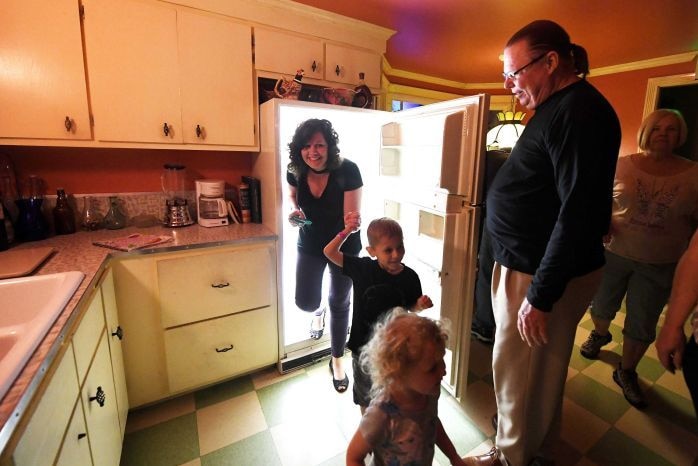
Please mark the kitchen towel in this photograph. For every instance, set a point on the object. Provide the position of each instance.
(134, 241)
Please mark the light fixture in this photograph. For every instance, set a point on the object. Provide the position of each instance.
(507, 132)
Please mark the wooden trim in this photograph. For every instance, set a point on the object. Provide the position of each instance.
(632, 66)
(654, 84)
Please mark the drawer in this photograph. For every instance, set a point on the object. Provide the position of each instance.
(205, 286)
(42, 438)
(217, 349)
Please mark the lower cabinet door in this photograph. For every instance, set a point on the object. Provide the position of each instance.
(99, 401)
(76, 447)
(216, 349)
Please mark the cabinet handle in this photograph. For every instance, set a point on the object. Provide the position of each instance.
(337, 70)
(100, 397)
(224, 350)
(220, 285)
(82, 435)
(68, 124)
(199, 131)
(119, 333)
(314, 66)
(166, 129)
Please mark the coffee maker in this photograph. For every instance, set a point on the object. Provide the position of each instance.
(173, 180)
(211, 207)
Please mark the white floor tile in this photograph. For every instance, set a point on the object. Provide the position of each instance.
(305, 442)
(675, 383)
(229, 421)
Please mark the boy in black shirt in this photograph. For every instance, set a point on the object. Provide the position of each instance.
(381, 282)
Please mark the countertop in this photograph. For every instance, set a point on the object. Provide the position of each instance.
(76, 252)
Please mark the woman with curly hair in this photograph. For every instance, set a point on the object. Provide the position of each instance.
(405, 358)
(324, 187)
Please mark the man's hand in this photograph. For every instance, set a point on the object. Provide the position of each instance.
(423, 302)
(532, 324)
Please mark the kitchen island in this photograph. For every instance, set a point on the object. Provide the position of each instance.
(77, 252)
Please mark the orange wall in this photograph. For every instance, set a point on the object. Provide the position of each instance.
(626, 92)
(85, 170)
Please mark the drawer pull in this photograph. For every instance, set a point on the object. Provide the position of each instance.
(82, 435)
(100, 397)
(220, 285)
(166, 129)
(314, 66)
(119, 333)
(224, 350)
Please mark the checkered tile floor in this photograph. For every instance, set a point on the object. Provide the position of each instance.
(298, 419)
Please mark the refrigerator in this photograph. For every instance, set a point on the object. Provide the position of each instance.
(424, 167)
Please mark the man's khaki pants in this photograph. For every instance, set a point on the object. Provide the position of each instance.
(529, 382)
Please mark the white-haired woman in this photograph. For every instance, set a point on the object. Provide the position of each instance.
(655, 212)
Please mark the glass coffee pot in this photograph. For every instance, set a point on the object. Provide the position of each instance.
(173, 180)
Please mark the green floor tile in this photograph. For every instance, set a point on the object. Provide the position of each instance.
(617, 449)
(275, 398)
(258, 449)
(672, 406)
(650, 369)
(596, 398)
(579, 362)
(223, 391)
(170, 443)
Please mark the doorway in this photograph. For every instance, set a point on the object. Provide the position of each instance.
(680, 93)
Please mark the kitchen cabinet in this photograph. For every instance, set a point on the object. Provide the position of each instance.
(201, 316)
(76, 447)
(345, 63)
(284, 52)
(43, 93)
(44, 432)
(164, 74)
(115, 335)
(76, 421)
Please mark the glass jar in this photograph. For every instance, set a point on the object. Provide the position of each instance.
(115, 219)
(63, 214)
(91, 218)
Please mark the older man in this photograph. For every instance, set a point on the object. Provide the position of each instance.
(548, 210)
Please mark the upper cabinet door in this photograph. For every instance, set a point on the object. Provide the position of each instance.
(216, 79)
(131, 49)
(285, 53)
(42, 75)
(345, 63)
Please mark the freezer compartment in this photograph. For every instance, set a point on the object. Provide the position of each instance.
(439, 151)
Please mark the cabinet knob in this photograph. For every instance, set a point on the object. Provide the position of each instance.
(220, 285)
(68, 124)
(224, 350)
(82, 435)
(314, 66)
(119, 333)
(166, 129)
(100, 397)
(337, 70)
(199, 131)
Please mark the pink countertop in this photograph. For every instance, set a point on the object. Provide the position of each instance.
(76, 252)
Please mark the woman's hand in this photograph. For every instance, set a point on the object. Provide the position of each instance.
(352, 221)
(295, 213)
(670, 345)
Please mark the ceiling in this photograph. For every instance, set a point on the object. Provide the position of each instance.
(461, 40)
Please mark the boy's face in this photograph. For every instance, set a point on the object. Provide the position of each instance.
(389, 252)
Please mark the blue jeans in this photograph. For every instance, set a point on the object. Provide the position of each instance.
(309, 272)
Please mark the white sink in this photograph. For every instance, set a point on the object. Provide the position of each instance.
(28, 308)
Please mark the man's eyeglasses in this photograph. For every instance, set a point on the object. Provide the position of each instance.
(515, 73)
